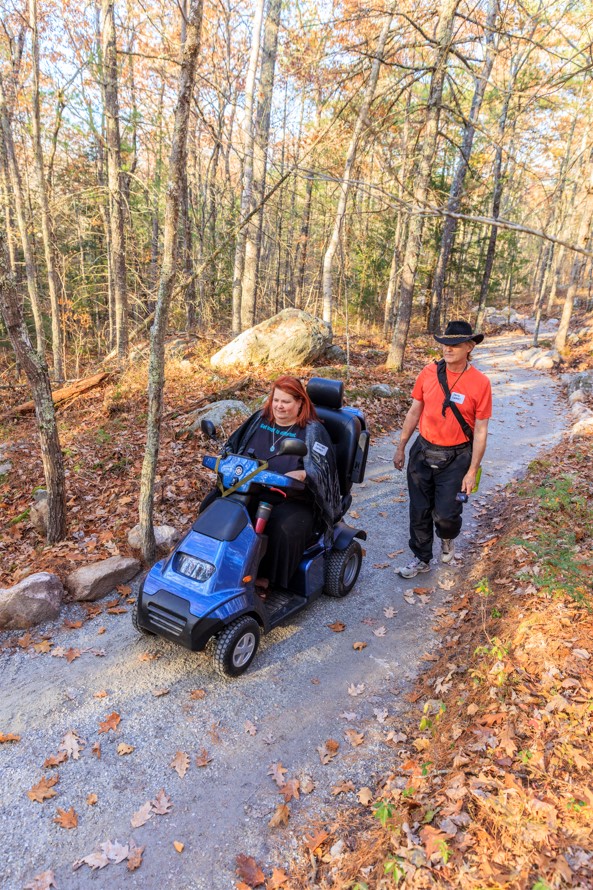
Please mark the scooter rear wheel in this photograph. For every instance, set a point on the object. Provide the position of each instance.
(136, 623)
(342, 570)
(236, 646)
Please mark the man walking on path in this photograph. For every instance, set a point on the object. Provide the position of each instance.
(451, 404)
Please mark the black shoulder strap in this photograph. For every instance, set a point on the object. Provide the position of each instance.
(442, 378)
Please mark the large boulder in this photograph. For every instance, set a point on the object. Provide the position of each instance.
(99, 578)
(39, 512)
(218, 412)
(286, 340)
(35, 599)
(165, 536)
(583, 380)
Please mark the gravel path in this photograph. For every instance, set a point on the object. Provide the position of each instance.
(293, 699)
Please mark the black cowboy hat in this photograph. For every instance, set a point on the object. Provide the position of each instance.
(458, 332)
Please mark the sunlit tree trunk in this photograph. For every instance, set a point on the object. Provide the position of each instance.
(156, 368)
(456, 190)
(114, 175)
(359, 128)
(395, 358)
(46, 225)
(37, 374)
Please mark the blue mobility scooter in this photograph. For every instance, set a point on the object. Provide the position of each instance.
(206, 587)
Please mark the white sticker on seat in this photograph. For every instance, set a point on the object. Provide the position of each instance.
(319, 448)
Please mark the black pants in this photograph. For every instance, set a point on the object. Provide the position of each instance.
(289, 529)
(432, 499)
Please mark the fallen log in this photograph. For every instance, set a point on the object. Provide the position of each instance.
(60, 395)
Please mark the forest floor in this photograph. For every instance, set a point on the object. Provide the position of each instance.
(367, 742)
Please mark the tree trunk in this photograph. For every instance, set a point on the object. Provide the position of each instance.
(46, 225)
(456, 190)
(156, 368)
(253, 229)
(395, 358)
(239, 319)
(37, 374)
(361, 123)
(114, 175)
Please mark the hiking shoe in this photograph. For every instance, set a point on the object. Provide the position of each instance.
(447, 549)
(413, 568)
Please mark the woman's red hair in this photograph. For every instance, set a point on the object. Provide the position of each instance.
(292, 386)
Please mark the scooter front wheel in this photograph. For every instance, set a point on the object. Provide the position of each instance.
(342, 570)
(236, 646)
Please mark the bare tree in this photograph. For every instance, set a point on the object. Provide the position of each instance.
(35, 368)
(156, 368)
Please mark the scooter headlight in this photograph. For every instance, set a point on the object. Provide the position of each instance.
(192, 567)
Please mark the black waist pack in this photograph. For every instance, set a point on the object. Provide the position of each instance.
(438, 458)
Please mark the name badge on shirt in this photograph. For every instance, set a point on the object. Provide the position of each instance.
(319, 448)
(458, 398)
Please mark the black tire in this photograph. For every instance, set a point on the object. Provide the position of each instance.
(236, 646)
(136, 623)
(342, 570)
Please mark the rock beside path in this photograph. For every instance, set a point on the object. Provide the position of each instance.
(217, 412)
(33, 600)
(165, 536)
(288, 339)
(91, 582)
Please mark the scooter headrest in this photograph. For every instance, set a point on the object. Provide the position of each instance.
(326, 393)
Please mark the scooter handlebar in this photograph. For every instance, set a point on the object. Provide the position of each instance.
(234, 467)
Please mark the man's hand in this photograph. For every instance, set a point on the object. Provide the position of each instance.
(297, 474)
(399, 458)
(469, 481)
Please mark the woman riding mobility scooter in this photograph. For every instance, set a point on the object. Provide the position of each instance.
(206, 587)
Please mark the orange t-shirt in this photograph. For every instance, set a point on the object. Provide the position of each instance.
(471, 392)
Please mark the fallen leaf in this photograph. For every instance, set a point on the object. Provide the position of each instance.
(203, 758)
(359, 646)
(162, 804)
(365, 796)
(197, 694)
(280, 817)
(290, 790)
(446, 584)
(433, 839)
(92, 799)
(180, 763)
(343, 787)
(100, 631)
(110, 723)
(249, 871)
(158, 693)
(43, 647)
(249, 727)
(355, 738)
(95, 860)
(25, 641)
(178, 846)
(314, 841)
(9, 737)
(72, 744)
(380, 632)
(135, 857)
(381, 565)
(100, 694)
(337, 626)
(66, 818)
(55, 760)
(96, 750)
(582, 653)
(124, 589)
(354, 514)
(44, 789)
(389, 612)
(142, 815)
(123, 749)
(328, 751)
(277, 772)
(381, 714)
(394, 554)
(307, 784)
(348, 715)
(115, 851)
(315, 681)
(72, 625)
(71, 654)
(356, 689)
(279, 879)
(43, 881)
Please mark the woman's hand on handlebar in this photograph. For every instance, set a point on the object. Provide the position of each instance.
(300, 475)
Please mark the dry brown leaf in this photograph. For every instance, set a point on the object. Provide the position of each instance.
(280, 817)
(343, 788)
(25, 641)
(307, 784)
(433, 839)
(179, 846)
(72, 744)
(394, 554)
(44, 789)
(66, 818)
(381, 565)
(249, 727)
(390, 612)
(277, 772)
(162, 804)
(100, 694)
(354, 514)
(55, 760)
(290, 790)
(110, 723)
(142, 815)
(43, 881)
(9, 737)
(180, 763)
(158, 693)
(71, 654)
(278, 880)
(115, 851)
(123, 749)
(135, 857)
(72, 625)
(337, 627)
(380, 632)
(43, 647)
(249, 871)
(356, 689)
(328, 751)
(365, 796)
(96, 750)
(98, 859)
(314, 841)
(359, 646)
(355, 738)
(203, 758)
(92, 799)
(100, 631)
(197, 694)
